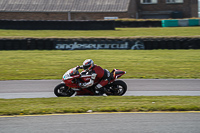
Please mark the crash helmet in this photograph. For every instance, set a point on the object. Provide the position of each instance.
(88, 64)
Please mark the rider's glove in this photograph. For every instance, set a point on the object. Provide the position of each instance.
(77, 67)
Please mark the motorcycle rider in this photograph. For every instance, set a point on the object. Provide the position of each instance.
(98, 75)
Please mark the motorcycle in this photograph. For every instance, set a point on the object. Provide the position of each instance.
(71, 79)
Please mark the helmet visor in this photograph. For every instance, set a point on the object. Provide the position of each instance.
(85, 67)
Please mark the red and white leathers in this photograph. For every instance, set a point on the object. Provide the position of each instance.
(99, 76)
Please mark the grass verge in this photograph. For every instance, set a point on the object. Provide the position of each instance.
(149, 64)
(99, 104)
(119, 32)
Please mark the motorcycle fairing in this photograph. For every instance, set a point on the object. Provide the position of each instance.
(72, 77)
(117, 73)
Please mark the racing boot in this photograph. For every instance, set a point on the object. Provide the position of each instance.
(99, 90)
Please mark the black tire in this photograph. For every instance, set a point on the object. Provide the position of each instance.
(62, 90)
(117, 88)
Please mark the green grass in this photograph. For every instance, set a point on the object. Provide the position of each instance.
(151, 64)
(16, 65)
(119, 32)
(99, 104)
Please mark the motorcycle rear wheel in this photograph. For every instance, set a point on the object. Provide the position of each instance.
(62, 90)
(117, 88)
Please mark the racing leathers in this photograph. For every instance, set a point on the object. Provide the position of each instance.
(99, 76)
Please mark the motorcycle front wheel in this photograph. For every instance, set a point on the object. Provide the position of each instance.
(117, 88)
(62, 90)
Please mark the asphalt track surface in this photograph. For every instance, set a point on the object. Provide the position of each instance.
(164, 122)
(136, 87)
(103, 123)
